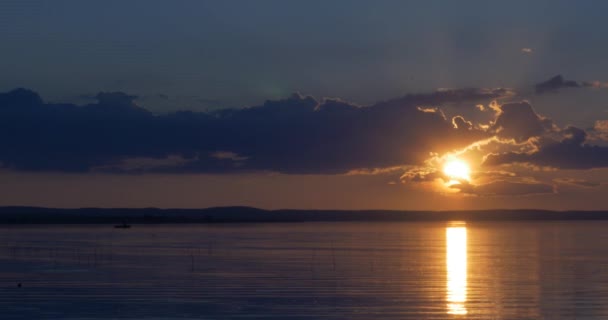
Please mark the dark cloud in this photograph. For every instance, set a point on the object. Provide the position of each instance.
(116, 99)
(554, 84)
(557, 83)
(20, 98)
(451, 96)
(571, 152)
(425, 174)
(519, 121)
(422, 175)
(504, 188)
(181, 102)
(493, 175)
(295, 135)
(577, 182)
(460, 122)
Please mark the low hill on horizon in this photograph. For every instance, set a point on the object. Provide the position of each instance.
(40, 215)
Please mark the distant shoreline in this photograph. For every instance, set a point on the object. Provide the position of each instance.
(38, 215)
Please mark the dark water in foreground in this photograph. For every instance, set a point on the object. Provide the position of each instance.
(527, 270)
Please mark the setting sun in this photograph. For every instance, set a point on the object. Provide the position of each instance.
(457, 169)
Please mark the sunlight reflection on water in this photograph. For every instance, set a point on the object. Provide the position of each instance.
(456, 263)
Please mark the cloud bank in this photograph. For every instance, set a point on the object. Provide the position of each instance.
(411, 135)
(295, 135)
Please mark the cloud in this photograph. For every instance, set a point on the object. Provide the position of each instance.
(601, 125)
(460, 122)
(144, 164)
(526, 50)
(483, 183)
(164, 102)
(505, 188)
(409, 136)
(450, 96)
(571, 152)
(519, 121)
(557, 83)
(294, 135)
(595, 84)
(422, 174)
(516, 135)
(492, 175)
(116, 99)
(577, 182)
(20, 97)
(554, 84)
(600, 130)
(227, 155)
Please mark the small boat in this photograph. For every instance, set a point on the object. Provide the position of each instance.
(122, 226)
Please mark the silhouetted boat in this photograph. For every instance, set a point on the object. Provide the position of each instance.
(122, 226)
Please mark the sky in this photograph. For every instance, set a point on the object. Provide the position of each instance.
(304, 104)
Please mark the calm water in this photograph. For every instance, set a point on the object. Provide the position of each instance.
(531, 270)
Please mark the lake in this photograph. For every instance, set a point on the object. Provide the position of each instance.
(403, 270)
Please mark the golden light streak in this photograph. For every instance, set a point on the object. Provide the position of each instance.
(456, 257)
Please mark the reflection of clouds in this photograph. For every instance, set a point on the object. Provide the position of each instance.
(456, 259)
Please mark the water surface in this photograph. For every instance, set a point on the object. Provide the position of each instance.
(506, 270)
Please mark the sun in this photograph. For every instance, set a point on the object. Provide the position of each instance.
(457, 169)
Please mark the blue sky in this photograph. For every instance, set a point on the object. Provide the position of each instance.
(236, 53)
